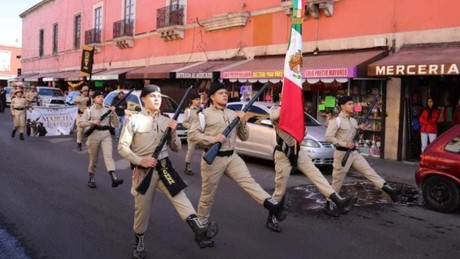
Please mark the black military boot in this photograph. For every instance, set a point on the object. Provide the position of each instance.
(279, 209)
(115, 181)
(188, 169)
(203, 233)
(78, 146)
(343, 204)
(331, 209)
(13, 133)
(91, 182)
(272, 223)
(139, 251)
(21, 136)
(395, 193)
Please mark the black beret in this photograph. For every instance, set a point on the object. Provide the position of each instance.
(194, 95)
(96, 93)
(150, 89)
(216, 85)
(344, 99)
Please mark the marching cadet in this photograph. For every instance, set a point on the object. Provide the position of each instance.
(140, 136)
(32, 96)
(190, 114)
(289, 155)
(83, 101)
(18, 108)
(101, 137)
(207, 130)
(341, 132)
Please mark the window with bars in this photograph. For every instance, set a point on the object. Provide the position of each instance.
(41, 42)
(129, 10)
(77, 32)
(55, 38)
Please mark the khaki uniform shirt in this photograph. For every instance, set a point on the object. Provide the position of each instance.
(190, 115)
(215, 122)
(340, 135)
(274, 117)
(94, 113)
(142, 133)
(32, 97)
(18, 103)
(81, 102)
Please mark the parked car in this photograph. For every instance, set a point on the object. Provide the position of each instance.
(134, 105)
(8, 96)
(71, 96)
(51, 96)
(439, 173)
(262, 136)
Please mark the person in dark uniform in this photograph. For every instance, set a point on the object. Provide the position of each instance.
(120, 110)
(2, 99)
(207, 130)
(140, 136)
(190, 114)
(100, 138)
(341, 132)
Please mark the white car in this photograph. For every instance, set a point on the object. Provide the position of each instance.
(134, 105)
(262, 136)
(51, 96)
(8, 96)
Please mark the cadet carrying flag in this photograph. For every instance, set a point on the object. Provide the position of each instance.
(87, 61)
(292, 115)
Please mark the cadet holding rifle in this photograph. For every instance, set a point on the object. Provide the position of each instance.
(341, 132)
(208, 131)
(101, 137)
(141, 135)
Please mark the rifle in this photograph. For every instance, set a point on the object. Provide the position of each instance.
(360, 131)
(145, 183)
(91, 129)
(212, 152)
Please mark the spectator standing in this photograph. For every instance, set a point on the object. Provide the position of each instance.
(429, 123)
(120, 111)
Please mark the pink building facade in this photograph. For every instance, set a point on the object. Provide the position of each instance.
(355, 47)
(10, 64)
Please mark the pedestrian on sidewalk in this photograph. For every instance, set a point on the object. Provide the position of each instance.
(100, 138)
(341, 132)
(18, 108)
(207, 130)
(120, 111)
(429, 123)
(83, 102)
(140, 136)
(190, 114)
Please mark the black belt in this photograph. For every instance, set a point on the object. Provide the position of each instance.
(102, 127)
(222, 153)
(19, 109)
(344, 149)
(79, 112)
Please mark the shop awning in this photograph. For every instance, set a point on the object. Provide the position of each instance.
(56, 76)
(156, 71)
(76, 75)
(207, 69)
(419, 60)
(325, 67)
(113, 74)
(24, 76)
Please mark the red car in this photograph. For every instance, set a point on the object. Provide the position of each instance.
(439, 172)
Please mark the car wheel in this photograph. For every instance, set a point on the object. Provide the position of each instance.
(441, 194)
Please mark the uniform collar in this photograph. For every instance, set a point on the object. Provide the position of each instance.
(344, 115)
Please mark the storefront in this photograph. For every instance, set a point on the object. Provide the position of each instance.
(419, 72)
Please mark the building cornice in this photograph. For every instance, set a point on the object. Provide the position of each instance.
(35, 7)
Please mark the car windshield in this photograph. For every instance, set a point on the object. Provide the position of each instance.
(50, 92)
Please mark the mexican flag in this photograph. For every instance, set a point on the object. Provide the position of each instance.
(292, 114)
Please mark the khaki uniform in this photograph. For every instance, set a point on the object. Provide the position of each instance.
(33, 98)
(18, 108)
(304, 164)
(339, 136)
(190, 115)
(101, 137)
(140, 136)
(82, 103)
(215, 122)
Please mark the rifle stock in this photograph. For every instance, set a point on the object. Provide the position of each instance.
(145, 183)
(214, 149)
(360, 131)
(91, 129)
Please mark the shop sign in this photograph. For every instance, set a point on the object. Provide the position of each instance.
(252, 74)
(344, 72)
(199, 75)
(408, 70)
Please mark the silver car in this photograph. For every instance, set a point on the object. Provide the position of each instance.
(51, 96)
(262, 136)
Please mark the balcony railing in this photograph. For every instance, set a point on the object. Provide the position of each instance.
(170, 15)
(122, 28)
(93, 36)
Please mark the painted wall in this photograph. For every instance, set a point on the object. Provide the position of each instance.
(9, 63)
(355, 24)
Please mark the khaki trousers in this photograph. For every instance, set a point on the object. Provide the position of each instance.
(98, 139)
(143, 203)
(19, 120)
(80, 130)
(357, 162)
(235, 168)
(305, 165)
(190, 148)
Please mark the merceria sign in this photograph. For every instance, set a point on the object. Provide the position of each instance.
(422, 69)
